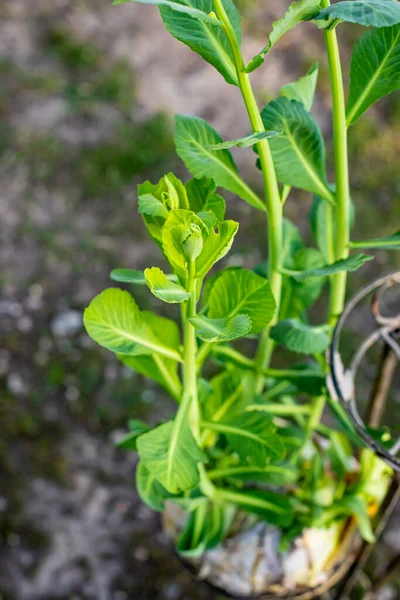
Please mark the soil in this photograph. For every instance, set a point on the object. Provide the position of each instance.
(86, 103)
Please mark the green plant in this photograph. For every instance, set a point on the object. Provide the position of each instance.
(250, 436)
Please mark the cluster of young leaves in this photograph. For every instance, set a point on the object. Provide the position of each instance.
(245, 449)
(187, 222)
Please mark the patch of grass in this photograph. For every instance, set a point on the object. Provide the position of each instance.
(91, 77)
(116, 86)
(138, 147)
(43, 154)
(73, 53)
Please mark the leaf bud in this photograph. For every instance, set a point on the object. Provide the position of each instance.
(192, 242)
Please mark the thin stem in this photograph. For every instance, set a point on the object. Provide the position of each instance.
(316, 414)
(235, 471)
(202, 354)
(272, 195)
(243, 361)
(342, 235)
(189, 355)
(280, 410)
(329, 235)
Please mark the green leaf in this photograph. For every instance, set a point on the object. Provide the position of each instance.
(164, 289)
(296, 13)
(171, 453)
(340, 454)
(216, 245)
(244, 142)
(279, 410)
(242, 291)
(221, 330)
(298, 296)
(253, 436)
(192, 543)
(292, 437)
(205, 527)
(225, 397)
(344, 421)
(114, 321)
(370, 13)
(375, 69)
(184, 8)
(302, 90)
(155, 201)
(276, 509)
(203, 199)
(302, 294)
(159, 368)
(382, 435)
(149, 205)
(180, 225)
(375, 477)
(192, 136)
(136, 427)
(206, 38)
(128, 276)
(282, 474)
(352, 263)
(308, 378)
(300, 337)
(321, 216)
(292, 243)
(390, 242)
(149, 489)
(210, 282)
(357, 507)
(212, 245)
(135, 277)
(298, 154)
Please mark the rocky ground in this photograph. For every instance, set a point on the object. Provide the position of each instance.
(86, 102)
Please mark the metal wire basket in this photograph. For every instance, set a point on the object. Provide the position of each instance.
(385, 333)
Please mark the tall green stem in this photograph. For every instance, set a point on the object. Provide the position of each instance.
(189, 355)
(342, 236)
(272, 196)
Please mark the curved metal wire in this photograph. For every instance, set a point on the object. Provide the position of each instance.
(343, 380)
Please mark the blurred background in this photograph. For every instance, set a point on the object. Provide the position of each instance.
(87, 97)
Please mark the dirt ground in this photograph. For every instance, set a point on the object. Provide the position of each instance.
(87, 95)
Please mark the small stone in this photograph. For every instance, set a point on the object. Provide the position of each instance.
(387, 593)
(25, 324)
(67, 323)
(27, 559)
(110, 372)
(16, 384)
(41, 359)
(171, 591)
(141, 554)
(11, 309)
(45, 344)
(120, 595)
(35, 298)
(13, 540)
(4, 361)
(72, 393)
